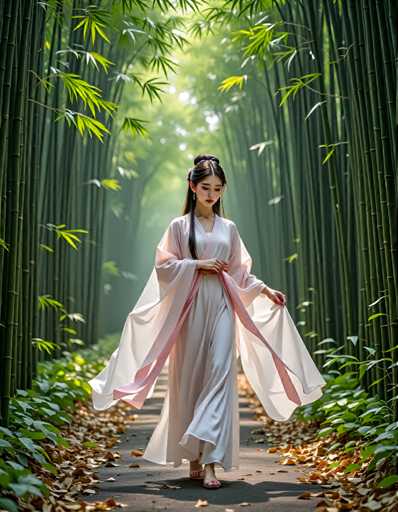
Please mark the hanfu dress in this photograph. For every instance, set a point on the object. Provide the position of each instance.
(199, 323)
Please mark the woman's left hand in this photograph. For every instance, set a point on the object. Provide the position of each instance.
(276, 296)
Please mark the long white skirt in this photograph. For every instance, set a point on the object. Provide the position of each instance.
(200, 413)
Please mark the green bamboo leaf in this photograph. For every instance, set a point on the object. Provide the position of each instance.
(45, 345)
(232, 81)
(96, 59)
(377, 301)
(276, 200)
(69, 235)
(75, 317)
(317, 105)
(91, 95)
(110, 267)
(4, 245)
(46, 301)
(69, 330)
(158, 62)
(292, 257)
(93, 20)
(262, 37)
(353, 339)
(296, 85)
(152, 89)
(127, 173)
(131, 30)
(46, 248)
(261, 146)
(134, 126)
(111, 184)
(376, 315)
(91, 126)
(327, 340)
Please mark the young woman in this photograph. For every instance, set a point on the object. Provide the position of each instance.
(187, 315)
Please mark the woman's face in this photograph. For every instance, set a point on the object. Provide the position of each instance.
(208, 191)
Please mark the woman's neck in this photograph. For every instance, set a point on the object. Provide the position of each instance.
(202, 211)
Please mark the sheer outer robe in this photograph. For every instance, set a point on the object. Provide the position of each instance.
(273, 354)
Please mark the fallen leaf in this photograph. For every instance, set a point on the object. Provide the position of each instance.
(137, 453)
(201, 503)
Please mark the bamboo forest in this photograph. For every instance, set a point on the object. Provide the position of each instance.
(105, 109)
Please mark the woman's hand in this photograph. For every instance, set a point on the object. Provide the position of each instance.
(275, 295)
(213, 265)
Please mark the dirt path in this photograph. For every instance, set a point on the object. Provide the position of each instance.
(259, 484)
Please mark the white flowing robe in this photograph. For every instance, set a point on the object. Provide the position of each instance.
(274, 357)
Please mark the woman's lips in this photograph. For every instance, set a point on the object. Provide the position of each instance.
(209, 200)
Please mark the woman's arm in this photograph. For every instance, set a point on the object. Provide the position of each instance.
(239, 268)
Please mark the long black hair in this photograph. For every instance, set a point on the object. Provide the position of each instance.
(204, 165)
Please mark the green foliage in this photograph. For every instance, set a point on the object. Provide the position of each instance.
(349, 411)
(262, 38)
(89, 94)
(37, 416)
(91, 58)
(4, 245)
(46, 301)
(84, 124)
(69, 235)
(45, 345)
(134, 126)
(152, 88)
(110, 267)
(93, 21)
(232, 81)
(296, 85)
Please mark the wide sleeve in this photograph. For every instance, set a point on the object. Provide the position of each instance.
(169, 263)
(239, 268)
(149, 326)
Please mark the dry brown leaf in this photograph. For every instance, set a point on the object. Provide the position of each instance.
(306, 495)
(201, 503)
(137, 453)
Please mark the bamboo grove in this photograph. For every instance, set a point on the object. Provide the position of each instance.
(308, 131)
(64, 67)
(312, 142)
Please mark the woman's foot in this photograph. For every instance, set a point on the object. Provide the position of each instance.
(210, 481)
(195, 470)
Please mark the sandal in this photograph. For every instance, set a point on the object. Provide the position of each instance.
(211, 485)
(197, 474)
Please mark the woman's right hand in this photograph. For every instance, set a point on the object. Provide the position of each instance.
(213, 265)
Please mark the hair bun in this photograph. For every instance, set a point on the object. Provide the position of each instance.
(203, 158)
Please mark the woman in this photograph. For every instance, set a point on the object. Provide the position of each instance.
(187, 315)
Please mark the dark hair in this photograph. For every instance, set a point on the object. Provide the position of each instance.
(204, 165)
